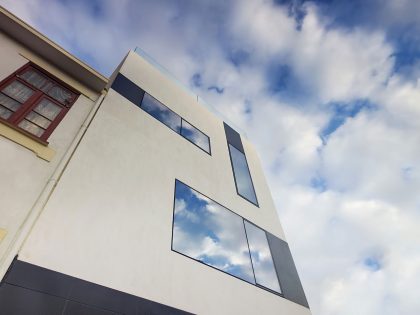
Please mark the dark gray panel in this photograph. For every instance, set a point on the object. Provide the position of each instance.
(103, 297)
(74, 308)
(20, 301)
(128, 89)
(30, 289)
(233, 137)
(146, 307)
(40, 279)
(286, 270)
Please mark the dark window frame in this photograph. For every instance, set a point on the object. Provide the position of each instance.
(38, 95)
(246, 235)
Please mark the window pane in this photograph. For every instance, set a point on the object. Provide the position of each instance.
(264, 270)
(195, 136)
(5, 113)
(161, 112)
(208, 232)
(9, 103)
(48, 109)
(60, 94)
(18, 91)
(242, 176)
(36, 79)
(38, 120)
(32, 128)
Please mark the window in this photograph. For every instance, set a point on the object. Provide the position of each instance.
(34, 102)
(212, 234)
(194, 135)
(242, 176)
(166, 116)
(161, 112)
(262, 262)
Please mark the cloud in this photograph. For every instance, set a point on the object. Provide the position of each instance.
(345, 177)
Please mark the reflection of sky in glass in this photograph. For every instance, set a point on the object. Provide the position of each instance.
(265, 273)
(161, 112)
(208, 232)
(196, 136)
(242, 176)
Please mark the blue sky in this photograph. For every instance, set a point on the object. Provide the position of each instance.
(329, 93)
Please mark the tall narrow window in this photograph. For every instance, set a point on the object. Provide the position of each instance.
(241, 174)
(243, 179)
(262, 261)
(34, 102)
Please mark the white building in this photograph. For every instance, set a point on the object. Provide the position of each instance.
(128, 196)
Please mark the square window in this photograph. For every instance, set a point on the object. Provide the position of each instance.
(34, 101)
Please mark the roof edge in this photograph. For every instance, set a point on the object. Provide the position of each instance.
(49, 49)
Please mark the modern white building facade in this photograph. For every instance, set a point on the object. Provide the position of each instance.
(127, 196)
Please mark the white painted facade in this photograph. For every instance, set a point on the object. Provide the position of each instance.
(102, 209)
(23, 175)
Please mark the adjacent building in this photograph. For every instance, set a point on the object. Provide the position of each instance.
(127, 195)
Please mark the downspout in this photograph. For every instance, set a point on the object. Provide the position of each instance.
(36, 210)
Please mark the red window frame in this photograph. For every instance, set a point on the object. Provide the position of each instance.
(38, 95)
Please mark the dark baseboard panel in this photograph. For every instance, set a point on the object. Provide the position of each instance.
(28, 289)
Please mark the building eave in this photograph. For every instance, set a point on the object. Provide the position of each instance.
(49, 50)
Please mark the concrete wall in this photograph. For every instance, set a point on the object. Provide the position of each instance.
(109, 220)
(23, 175)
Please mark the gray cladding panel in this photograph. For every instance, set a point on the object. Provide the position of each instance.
(28, 289)
(286, 270)
(128, 89)
(233, 137)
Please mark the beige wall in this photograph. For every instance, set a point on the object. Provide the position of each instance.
(109, 220)
(23, 175)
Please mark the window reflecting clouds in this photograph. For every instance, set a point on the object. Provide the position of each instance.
(242, 176)
(214, 235)
(161, 112)
(210, 233)
(191, 133)
(262, 261)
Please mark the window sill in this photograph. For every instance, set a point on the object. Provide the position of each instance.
(40, 148)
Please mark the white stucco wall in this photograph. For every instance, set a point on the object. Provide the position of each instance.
(109, 220)
(23, 175)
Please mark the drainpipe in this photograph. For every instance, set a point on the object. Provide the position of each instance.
(36, 210)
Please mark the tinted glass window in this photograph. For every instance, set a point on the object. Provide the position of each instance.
(242, 176)
(161, 112)
(210, 233)
(265, 273)
(195, 136)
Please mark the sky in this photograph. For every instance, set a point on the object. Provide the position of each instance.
(329, 93)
